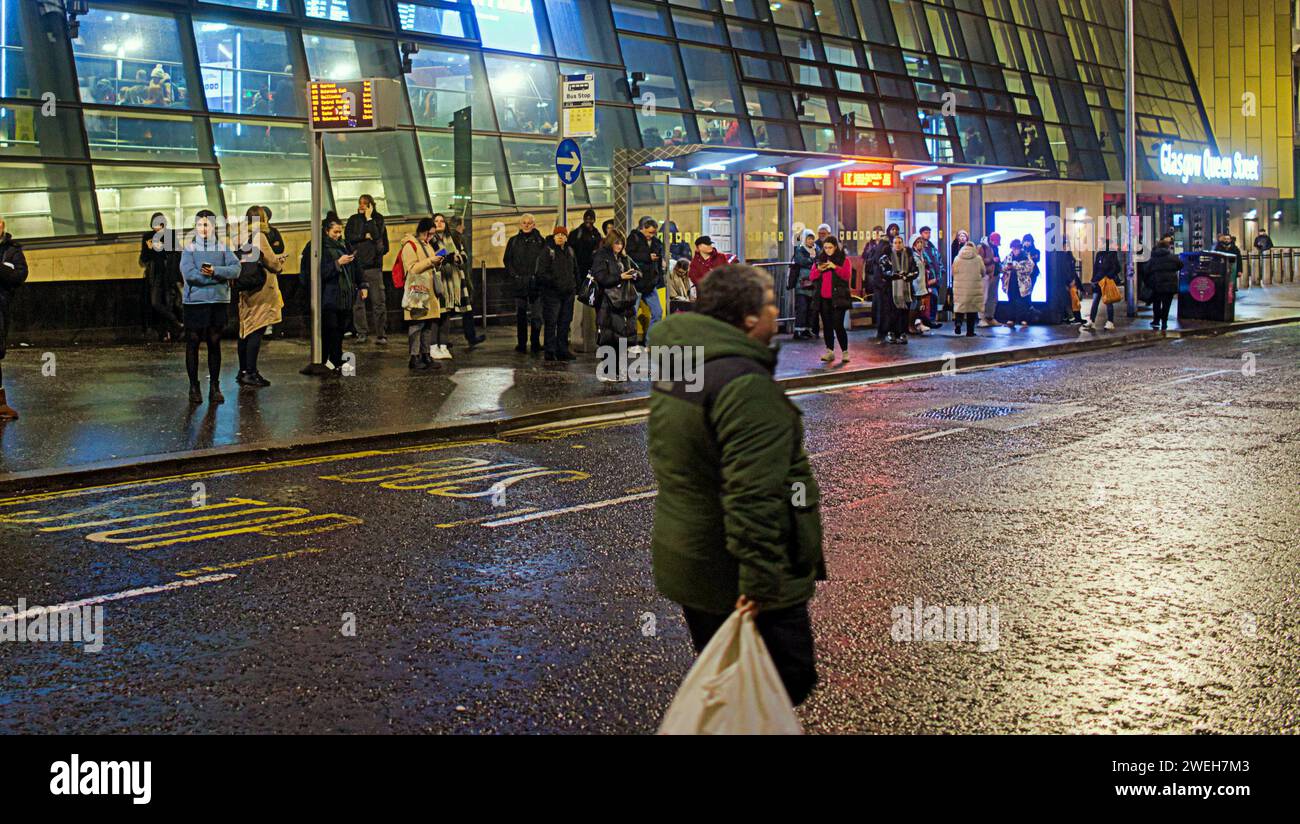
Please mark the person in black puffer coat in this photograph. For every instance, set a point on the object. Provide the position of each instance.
(557, 280)
(160, 255)
(1162, 277)
(616, 307)
(522, 253)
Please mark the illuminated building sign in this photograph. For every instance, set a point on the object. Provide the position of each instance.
(868, 179)
(1207, 166)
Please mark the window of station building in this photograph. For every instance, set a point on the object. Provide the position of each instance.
(907, 24)
(974, 139)
(524, 93)
(841, 52)
(711, 75)
(132, 59)
(382, 164)
(510, 25)
(369, 12)
(256, 5)
(438, 154)
(808, 75)
(757, 68)
(907, 146)
(658, 61)
(532, 172)
(751, 37)
(748, 9)
(129, 195)
(835, 17)
(793, 13)
(490, 182)
(40, 200)
(615, 128)
(25, 131)
(28, 72)
(723, 131)
(266, 163)
(431, 18)
(152, 138)
(769, 134)
(701, 29)
(702, 5)
(815, 108)
(864, 117)
(761, 101)
(443, 81)
(859, 82)
(353, 58)
(640, 17)
(245, 69)
(818, 139)
(581, 30)
(801, 45)
(664, 128)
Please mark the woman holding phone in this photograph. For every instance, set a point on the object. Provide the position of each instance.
(339, 281)
(208, 266)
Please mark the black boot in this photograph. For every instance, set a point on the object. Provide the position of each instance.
(537, 340)
(196, 394)
(214, 393)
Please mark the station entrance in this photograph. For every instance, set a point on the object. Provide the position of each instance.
(755, 203)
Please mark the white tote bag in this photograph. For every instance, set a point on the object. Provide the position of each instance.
(733, 689)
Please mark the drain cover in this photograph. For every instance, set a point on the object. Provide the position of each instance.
(967, 412)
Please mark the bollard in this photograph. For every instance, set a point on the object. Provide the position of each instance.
(483, 298)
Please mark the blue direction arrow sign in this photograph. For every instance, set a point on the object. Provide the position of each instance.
(568, 162)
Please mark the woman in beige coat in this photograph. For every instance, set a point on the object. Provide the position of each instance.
(258, 309)
(967, 288)
(420, 305)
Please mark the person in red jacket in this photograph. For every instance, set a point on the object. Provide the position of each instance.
(706, 259)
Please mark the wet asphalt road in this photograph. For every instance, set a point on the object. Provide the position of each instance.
(1133, 516)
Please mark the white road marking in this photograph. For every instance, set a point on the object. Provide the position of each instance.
(941, 433)
(907, 437)
(551, 513)
(118, 596)
(1197, 377)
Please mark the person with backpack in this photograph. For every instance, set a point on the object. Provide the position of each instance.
(557, 280)
(366, 234)
(260, 301)
(13, 274)
(520, 260)
(615, 274)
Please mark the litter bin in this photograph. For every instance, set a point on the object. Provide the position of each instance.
(1207, 289)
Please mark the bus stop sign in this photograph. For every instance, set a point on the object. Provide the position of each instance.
(568, 162)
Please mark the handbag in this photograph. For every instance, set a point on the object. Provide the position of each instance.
(252, 276)
(1110, 292)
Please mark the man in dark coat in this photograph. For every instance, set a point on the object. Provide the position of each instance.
(584, 242)
(737, 523)
(1162, 278)
(557, 281)
(13, 273)
(366, 234)
(522, 252)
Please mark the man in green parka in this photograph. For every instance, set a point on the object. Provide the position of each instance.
(736, 524)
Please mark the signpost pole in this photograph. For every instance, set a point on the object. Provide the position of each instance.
(562, 218)
(1130, 161)
(316, 365)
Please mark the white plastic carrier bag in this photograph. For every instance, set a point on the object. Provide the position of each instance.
(733, 689)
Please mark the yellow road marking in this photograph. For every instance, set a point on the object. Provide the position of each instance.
(246, 469)
(279, 556)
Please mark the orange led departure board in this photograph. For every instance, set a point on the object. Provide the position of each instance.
(867, 179)
(343, 106)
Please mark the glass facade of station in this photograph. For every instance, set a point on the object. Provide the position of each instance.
(175, 105)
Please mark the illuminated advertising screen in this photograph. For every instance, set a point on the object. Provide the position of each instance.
(342, 106)
(1014, 224)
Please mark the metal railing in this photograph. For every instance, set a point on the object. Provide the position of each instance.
(1275, 266)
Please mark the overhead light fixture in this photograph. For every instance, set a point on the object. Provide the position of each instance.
(1277, 215)
(982, 177)
(660, 164)
(821, 170)
(772, 170)
(721, 166)
(919, 171)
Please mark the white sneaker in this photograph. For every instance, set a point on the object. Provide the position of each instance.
(446, 353)
(1087, 327)
(1110, 326)
(1024, 324)
(829, 356)
(984, 324)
